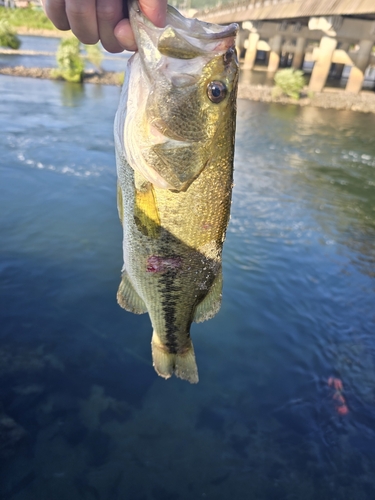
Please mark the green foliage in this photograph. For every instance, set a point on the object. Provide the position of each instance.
(29, 18)
(289, 81)
(94, 55)
(8, 38)
(69, 60)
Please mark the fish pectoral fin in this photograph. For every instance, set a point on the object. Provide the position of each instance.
(183, 365)
(128, 298)
(210, 305)
(146, 213)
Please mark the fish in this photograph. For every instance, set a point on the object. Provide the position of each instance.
(174, 141)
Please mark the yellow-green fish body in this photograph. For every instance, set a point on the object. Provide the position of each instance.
(174, 135)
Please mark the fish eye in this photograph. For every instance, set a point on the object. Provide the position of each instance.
(216, 91)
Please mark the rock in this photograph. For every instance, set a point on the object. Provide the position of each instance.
(105, 78)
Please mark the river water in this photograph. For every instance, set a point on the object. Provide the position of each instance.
(285, 406)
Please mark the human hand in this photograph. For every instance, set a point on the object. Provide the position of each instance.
(104, 20)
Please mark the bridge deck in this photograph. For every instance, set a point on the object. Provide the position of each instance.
(286, 9)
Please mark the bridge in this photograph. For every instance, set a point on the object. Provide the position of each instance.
(325, 32)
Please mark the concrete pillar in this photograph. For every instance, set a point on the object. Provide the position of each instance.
(283, 59)
(339, 68)
(238, 47)
(251, 51)
(357, 73)
(322, 66)
(274, 59)
(299, 54)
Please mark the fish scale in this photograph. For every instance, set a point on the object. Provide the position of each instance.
(174, 196)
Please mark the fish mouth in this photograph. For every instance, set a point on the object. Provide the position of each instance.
(190, 27)
(169, 149)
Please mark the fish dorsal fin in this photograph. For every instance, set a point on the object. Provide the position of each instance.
(173, 44)
(128, 298)
(210, 305)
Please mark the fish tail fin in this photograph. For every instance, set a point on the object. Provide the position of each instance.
(165, 363)
(186, 366)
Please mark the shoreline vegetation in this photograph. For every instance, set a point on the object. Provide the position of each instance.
(331, 98)
(34, 22)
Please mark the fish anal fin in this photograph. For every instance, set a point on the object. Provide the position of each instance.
(210, 305)
(128, 298)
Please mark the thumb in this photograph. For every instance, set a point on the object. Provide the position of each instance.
(155, 11)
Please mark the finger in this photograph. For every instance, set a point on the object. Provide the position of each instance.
(82, 19)
(124, 35)
(55, 10)
(109, 13)
(155, 11)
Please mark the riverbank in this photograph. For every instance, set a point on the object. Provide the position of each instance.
(330, 99)
(104, 78)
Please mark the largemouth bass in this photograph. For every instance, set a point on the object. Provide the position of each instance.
(174, 136)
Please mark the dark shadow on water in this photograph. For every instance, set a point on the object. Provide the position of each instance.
(50, 361)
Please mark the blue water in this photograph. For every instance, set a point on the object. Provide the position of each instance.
(83, 414)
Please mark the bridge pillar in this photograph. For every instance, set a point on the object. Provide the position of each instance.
(274, 57)
(299, 54)
(251, 51)
(357, 73)
(322, 66)
(339, 68)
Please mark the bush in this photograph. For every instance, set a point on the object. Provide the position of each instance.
(290, 82)
(69, 60)
(8, 38)
(28, 18)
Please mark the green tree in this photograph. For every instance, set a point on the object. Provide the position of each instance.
(69, 60)
(289, 81)
(8, 37)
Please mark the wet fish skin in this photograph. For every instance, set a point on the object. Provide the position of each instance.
(174, 153)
